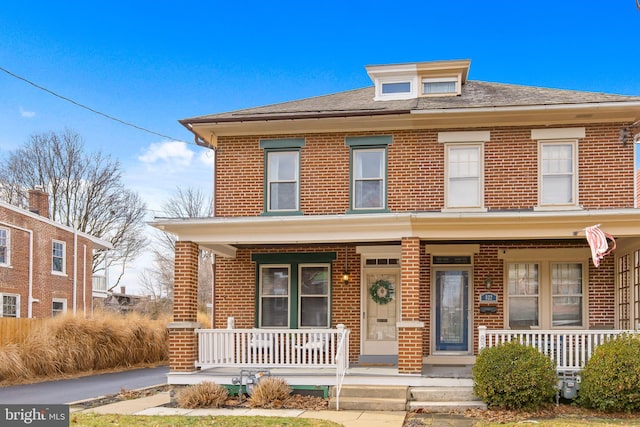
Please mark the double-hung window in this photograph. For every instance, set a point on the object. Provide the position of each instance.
(10, 305)
(5, 246)
(545, 294)
(282, 175)
(558, 174)
(464, 187)
(58, 257)
(294, 290)
(368, 173)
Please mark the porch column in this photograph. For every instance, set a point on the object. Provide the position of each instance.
(183, 343)
(410, 328)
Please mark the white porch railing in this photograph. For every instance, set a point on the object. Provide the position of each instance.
(569, 349)
(273, 348)
(342, 361)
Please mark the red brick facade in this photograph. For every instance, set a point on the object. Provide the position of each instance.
(30, 247)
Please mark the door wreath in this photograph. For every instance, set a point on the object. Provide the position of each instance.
(381, 292)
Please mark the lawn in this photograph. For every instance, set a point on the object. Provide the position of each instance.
(96, 420)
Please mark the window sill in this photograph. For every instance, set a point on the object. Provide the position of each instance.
(59, 273)
(557, 208)
(282, 213)
(445, 210)
(366, 211)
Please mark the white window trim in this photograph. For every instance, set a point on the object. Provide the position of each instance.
(64, 305)
(297, 180)
(64, 258)
(288, 295)
(480, 207)
(413, 91)
(7, 262)
(574, 185)
(544, 259)
(328, 295)
(3, 294)
(383, 178)
(456, 80)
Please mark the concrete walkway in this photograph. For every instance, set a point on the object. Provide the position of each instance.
(152, 405)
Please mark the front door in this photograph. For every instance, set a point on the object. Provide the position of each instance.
(452, 310)
(381, 294)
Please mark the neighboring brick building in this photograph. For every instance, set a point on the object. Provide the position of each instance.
(448, 203)
(45, 267)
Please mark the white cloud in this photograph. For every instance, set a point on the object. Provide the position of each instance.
(27, 114)
(169, 152)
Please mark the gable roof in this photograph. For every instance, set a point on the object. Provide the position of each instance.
(98, 243)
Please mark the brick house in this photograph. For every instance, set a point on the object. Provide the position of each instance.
(429, 214)
(45, 267)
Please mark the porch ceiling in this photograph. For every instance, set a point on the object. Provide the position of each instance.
(222, 234)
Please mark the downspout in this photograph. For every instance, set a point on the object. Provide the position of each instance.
(75, 269)
(30, 280)
(84, 280)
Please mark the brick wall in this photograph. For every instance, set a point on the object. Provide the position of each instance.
(416, 172)
(45, 285)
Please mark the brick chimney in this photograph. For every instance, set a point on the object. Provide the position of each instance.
(39, 201)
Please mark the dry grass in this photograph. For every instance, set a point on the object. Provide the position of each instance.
(204, 395)
(270, 392)
(68, 344)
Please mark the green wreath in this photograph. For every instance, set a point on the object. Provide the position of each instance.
(381, 292)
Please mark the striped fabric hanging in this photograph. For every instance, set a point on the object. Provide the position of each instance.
(597, 240)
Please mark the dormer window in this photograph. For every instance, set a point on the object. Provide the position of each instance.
(420, 79)
(400, 87)
(439, 86)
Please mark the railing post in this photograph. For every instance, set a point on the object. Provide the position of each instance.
(482, 338)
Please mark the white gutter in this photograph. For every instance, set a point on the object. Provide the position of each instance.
(30, 293)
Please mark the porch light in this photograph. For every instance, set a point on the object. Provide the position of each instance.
(345, 278)
(488, 282)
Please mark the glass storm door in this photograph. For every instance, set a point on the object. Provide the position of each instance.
(452, 310)
(380, 311)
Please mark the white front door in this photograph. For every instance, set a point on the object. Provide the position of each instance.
(381, 304)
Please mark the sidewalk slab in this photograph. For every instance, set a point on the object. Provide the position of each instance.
(130, 407)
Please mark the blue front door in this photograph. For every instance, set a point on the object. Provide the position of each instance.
(452, 310)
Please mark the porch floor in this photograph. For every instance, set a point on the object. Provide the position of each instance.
(432, 375)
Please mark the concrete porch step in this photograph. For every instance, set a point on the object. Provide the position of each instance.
(371, 398)
(369, 404)
(443, 399)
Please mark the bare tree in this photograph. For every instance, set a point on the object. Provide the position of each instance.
(183, 203)
(85, 192)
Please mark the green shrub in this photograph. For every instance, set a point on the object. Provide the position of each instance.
(514, 376)
(204, 395)
(611, 378)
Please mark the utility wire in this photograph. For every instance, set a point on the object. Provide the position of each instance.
(89, 108)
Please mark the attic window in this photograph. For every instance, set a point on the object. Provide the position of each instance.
(400, 87)
(439, 86)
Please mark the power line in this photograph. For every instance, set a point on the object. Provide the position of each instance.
(89, 108)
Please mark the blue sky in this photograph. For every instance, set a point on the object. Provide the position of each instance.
(153, 62)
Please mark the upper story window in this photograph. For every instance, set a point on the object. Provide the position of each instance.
(10, 305)
(398, 87)
(464, 176)
(282, 175)
(464, 168)
(439, 86)
(5, 247)
(368, 172)
(58, 257)
(558, 167)
(558, 174)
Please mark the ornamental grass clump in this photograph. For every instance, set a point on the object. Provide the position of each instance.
(204, 395)
(514, 376)
(270, 392)
(611, 378)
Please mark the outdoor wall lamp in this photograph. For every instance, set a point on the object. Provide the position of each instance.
(488, 282)
(345, 278)
(624, 134)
